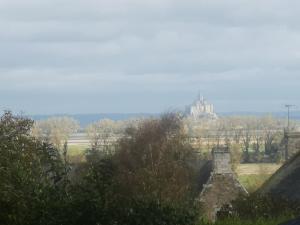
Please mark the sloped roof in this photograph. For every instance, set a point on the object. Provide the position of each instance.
(203, 174)
(285, 182)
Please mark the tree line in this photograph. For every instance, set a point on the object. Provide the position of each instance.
(255, 139)
(252, 139)
(149, 179)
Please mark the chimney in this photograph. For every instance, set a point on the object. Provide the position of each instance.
(221, 160)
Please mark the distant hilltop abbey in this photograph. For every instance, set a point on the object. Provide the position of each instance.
(201, 109)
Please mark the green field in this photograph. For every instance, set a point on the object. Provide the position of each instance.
(76, 152)
(252, 176)
(254, 181)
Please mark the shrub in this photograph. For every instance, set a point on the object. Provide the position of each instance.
(258, 206)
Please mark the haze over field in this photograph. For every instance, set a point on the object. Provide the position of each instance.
(153, 112)
(148, 56)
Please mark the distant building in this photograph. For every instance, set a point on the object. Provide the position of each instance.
(201, 109)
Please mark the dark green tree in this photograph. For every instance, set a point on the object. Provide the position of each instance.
(29, 172)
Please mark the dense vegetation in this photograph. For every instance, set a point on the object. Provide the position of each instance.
(148, 179)
(31, 174)
(259, 209)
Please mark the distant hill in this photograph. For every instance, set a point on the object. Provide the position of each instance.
(286, 181)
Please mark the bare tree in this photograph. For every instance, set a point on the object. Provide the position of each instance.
(103, 133)
(154, 159)
(55, 130)
(247, 135)
(270, 129)
(236, 155)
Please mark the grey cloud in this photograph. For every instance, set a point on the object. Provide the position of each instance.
(231, 12)
(229, 49)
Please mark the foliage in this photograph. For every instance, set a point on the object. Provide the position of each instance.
(30, 171)
(256, 221)
(103, 132)
(259, 137)
(155, 160)
(236, 155)
(257, 206)
(55, 130)
(36, 187)
(102, 196)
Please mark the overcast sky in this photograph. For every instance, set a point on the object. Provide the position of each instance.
(83, 56)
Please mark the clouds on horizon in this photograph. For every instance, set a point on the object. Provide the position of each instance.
(139, 56)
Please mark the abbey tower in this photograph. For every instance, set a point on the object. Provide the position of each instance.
(201, 109)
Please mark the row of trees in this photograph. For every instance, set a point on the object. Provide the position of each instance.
(101, 133)
(256, 136)
(55, 130)
(58, 130)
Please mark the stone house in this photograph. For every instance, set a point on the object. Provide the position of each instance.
(222, 186)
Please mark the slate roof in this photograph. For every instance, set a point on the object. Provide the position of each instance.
(285, 183)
